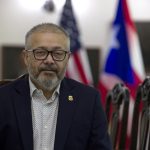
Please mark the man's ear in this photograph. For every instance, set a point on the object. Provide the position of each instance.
(25, 56)
(69, 55)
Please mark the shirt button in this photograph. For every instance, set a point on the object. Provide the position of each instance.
(45, 127)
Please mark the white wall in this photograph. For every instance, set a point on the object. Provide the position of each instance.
(93, 21)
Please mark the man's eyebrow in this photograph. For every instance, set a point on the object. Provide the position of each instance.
(57, 47)
(41, 47)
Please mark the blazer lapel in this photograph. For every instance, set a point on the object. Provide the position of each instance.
(67, 105)
(22, 104)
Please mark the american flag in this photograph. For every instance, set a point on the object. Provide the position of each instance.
(78, 67)
(123, 62)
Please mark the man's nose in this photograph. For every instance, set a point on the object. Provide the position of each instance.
(49, 59)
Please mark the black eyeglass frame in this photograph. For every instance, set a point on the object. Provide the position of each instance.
(49, 52)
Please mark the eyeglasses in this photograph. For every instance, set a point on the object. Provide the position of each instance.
(41, 54)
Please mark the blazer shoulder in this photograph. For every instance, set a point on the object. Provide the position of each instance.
(12, 83)
(73, 84)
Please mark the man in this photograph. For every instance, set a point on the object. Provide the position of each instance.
(43, 110)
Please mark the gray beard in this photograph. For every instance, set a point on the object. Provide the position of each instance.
(46, 84)
(49, 84)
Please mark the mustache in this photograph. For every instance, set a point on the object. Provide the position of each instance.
(48, 68)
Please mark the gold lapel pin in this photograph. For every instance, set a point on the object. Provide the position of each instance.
(70, 98)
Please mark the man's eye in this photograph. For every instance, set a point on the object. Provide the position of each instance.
(58, 52)
(40, 52)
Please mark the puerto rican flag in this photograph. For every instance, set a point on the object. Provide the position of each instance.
(123, 62)
(78, 67)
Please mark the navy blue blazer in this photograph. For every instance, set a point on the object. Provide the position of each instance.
(81, 123)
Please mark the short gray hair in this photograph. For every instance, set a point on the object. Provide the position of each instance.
(46, 27)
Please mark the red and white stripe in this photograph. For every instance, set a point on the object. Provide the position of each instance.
(79, 67)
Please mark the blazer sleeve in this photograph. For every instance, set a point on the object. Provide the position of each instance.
(99, 138)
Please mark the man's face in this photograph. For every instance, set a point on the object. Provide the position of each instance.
(46, 74)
